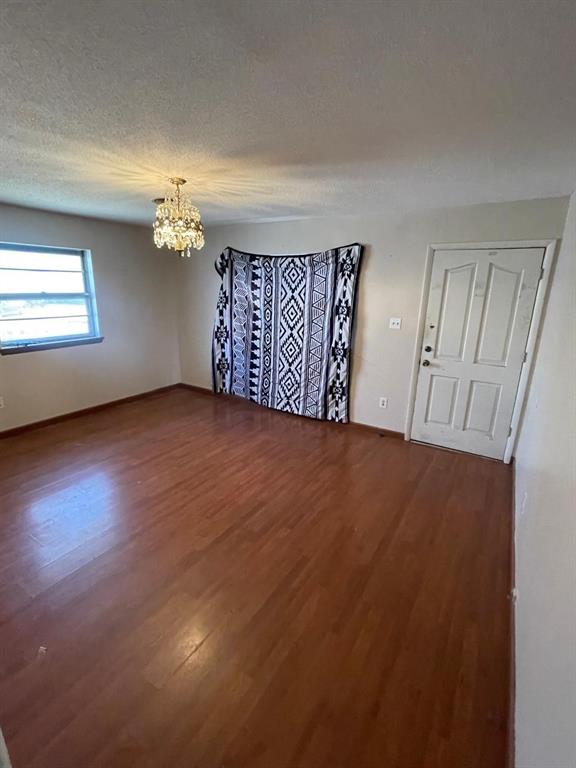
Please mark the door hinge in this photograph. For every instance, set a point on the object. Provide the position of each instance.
(541, 272)
(525, 356)
(510, 432)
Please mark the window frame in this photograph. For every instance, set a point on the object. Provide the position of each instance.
(89, 295)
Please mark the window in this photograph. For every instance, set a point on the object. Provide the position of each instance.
(46, 298)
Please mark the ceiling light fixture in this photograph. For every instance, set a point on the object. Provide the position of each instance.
(178, 225)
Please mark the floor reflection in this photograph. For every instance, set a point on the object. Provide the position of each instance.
(72, 516)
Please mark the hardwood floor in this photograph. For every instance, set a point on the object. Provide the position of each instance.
(195, 582)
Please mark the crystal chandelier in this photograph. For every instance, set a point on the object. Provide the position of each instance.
(178, 225)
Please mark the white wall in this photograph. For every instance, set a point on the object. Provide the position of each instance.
(136, 296)
(546, 535)
(390, 284)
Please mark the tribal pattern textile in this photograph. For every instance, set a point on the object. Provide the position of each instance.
(283, 329)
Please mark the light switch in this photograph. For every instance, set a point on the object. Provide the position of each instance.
(395, 323)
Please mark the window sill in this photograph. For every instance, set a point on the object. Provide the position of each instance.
(50, 345)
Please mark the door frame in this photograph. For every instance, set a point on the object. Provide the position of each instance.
(533, 333)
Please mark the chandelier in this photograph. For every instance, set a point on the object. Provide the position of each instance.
(177, 225)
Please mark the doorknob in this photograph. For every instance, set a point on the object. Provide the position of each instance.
(425, 363)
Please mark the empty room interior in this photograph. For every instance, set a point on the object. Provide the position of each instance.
(287, 384)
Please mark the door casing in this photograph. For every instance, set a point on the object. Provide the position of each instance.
(541, 296)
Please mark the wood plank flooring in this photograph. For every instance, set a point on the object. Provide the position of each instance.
(197, 582)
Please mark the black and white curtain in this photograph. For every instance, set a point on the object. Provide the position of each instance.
(283, 329)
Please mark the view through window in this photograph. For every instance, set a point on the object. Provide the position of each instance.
(46, 297)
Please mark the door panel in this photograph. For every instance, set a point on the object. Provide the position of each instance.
(498, 315)
(455, 311)
(478, 316)
(441, 400)
(482, 407)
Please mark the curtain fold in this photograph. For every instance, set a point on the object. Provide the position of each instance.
(283, 329)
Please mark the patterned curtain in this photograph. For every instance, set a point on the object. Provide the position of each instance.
(283, 329)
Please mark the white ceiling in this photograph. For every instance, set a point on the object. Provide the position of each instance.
(279, 108)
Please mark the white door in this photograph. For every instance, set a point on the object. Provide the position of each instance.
(477, 321)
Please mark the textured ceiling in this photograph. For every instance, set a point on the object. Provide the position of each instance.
(279, 108)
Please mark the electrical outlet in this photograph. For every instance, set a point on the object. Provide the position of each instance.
(395, 323)
(1, 402)
(383, 402)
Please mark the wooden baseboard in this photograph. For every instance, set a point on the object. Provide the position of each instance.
(511, 730)
(377, 430)
(182, 385)
(84, 411)
(194, 388)
(351, 424)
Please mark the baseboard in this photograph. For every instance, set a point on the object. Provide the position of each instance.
(182, 385)
(511, 731)
(84, 411)
(351, 424)
(195, 388)
(377, 430)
